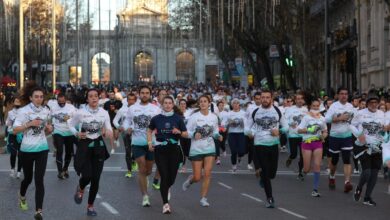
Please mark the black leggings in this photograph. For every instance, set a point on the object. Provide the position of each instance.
(295, 145)
(13, 148)
(167, 160)
(60, 142)
(28, 161)
(250, 150)
(185, 144)
(127, 142)
(92, 170)
(237, 144)
(371, 164)
(223, 143)
(267, 157)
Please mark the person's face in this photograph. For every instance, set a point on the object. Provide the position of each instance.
(355, 102)
(315, 106)
(343, 96)
(111, 95)
(257, 99)
(145, 95)
(236, 106)
(167, 105)
(382, 108)
(131, 100)
(288, 102)
(204, 103)
(221, 106)
(299, 101)
(61, 101)
(17, 103)
(220, 92)
(93, 98)
(162, 95)
(37, 98)
(387, 106)
(362, 105)
(103, 95)
(266, 99)
(372, 105)
(183, 105)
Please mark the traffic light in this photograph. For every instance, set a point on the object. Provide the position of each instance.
(289, 62)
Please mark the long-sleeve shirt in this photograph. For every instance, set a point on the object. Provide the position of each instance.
(340, 129)
(60, 116)
(120, 116)
(293, 117)
(236, 122)
(11, 119)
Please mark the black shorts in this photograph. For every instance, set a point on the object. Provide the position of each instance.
(336, 145)
(200, 157)
(142, 151)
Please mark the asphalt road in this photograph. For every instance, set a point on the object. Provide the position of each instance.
(231, 196)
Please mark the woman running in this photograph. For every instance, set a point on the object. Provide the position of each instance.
(14, 140)
(236, 122)
(94, 124)
(185, 143)
(202, 128)
(314, 130)
(33, 120)
(168, 127)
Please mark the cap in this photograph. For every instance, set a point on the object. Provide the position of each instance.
(372, 96)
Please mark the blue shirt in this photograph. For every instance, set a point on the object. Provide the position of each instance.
(164, 126)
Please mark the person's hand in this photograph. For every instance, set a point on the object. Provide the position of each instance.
(386, 127)
(151, 148)
(343, 117)
(176, 131)
(49, 128)
(82, 135)
(129, 131)
(198, 136)
(220, 138)
(275, 132)
(107, 134)
(362, 139)
(303, 130)
(34, 123)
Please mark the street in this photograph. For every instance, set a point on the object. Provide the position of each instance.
(231, 196)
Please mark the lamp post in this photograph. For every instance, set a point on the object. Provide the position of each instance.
(21, 45)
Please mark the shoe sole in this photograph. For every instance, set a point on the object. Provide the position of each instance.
(368, 204)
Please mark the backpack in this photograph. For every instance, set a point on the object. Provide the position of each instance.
(276, 109)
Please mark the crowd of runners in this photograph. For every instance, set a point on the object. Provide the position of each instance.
(177, 127)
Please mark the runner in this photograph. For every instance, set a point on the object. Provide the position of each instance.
(33, 120)
(112, 106)
(264, 128)
(14, 140)
(202, 128)
(62, 136)
(293, 116)
(185, 143)
(368, 127)
(168, 127)
(94, 124)
(340, 115)
(314, 130)
(118, 123)
(136, 123)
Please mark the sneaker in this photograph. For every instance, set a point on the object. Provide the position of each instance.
(283, 149)
(270, 203)
(315, 193)
(288, 162)
(23, 203)
(61, 176)
(38, 216)
(250, 167)
(18, 174)
(356, 171)
(187, 183)
(218, 162)
(145, 201)
(224, 154)
(66, 174)
(204, 203)
(91, 211)
(112, 151)
(78, 196)
(183, 170)
(327, 171)
(234, 168)
(369, 201)
(356, 194)
(156, 186)
(134, 167)
(166, 209)
(348, 187)
(128, 174)
(300, 177)
(13, 173)
(117, 143)
(332, 183)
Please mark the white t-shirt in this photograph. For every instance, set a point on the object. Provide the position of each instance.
(293, 117)
(340, 129)
(370, 124)
(34, 138)
(314, 126)
(120, 116)
(138, 119)
(11, 119)
(91, 121)
(102, 102)
(236, 122)
(59, 118)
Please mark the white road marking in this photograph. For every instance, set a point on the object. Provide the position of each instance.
(292, 213)
(224, 185)
(109, 208)
(251, 197)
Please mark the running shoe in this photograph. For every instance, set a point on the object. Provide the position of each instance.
(204, 203)
(166, 209)
(91, 211)
(300, 177)
(250, 167)
(23, 203)
(145, 201)
(61, 176)
(270, 203)
(357, 194)
(234, 168)
(156, 186)
(134, 167)
(356, 171)
(183, 170)
(117, 143)
(369, 201)
(128, 174)
(327, 171)
(283, 149)
(348, 187)
(66, 174)
(13, 173)
(38, 216)
(187, 183)
(218, 162)
(112, 151)
(315, 193)
(288, 162)
(18, 174)
(78, 196)
(332, 183)
(224, 154)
